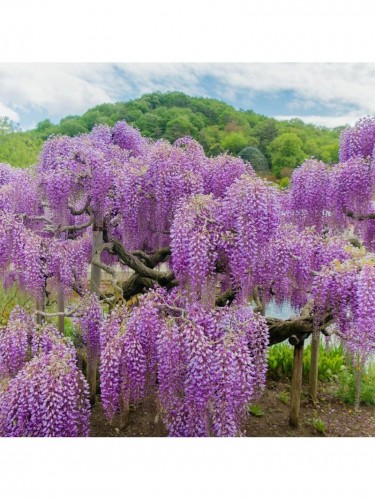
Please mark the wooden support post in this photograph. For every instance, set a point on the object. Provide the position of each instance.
(41, 306)
(92, 373)
(92, 359)
(313, 375)
(295, 394)
(95, 270)
(61, 308)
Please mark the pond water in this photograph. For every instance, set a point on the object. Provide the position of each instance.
(281, 311)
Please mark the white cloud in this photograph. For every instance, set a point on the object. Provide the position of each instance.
(10, 113)
(53, 88)
(59, 89)
(332, 84)
(324, 121)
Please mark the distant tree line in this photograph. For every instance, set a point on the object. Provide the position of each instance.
(217, 126)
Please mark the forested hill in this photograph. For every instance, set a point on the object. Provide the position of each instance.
(216, 125)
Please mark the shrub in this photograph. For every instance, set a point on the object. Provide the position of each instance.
(346, 390)
(280, 361)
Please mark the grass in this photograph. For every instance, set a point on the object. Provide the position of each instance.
(280, 362)
(319, 425)
(255, 410)
(284, 397)
(10, 298)
(346, 386)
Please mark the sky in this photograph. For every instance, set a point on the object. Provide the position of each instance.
(328, 94)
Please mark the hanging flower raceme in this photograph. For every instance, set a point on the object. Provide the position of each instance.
(363, 338)
(129, 138)
(194, 242)
(47, 398)
(291, 259)
(58, 169)
(67, 260)
(211, 364)
(347, 290)
(44, 338)
(90, 322)
(128, 359)
(27, 257)
(135, 207)
(351, 189)
(223, 171)
(239, 368)
(309, 201)
(15, 341)
(366, 231)
(6, 173)
(174, 173)
(250, 215)
(358, 140)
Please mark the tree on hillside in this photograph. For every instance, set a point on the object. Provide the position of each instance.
(256, 158)
(286, 151)
(7, 126)
(234, 142)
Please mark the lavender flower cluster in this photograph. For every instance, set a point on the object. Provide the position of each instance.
(42, 392)
(347, 290)
(206, 365)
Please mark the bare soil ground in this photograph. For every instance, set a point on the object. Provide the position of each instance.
(339, 419)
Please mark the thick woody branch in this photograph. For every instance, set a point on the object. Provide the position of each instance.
(226, 298)
(81, 211)
(67, 314)
(354, 216)
(295, 329)
(130, 260)
(136, 284)
(108, 269)
(258, 302)
(77, 227)
(152, 260)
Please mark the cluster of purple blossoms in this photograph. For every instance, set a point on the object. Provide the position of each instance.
(47, 398)
(211, 364)
(290, 260)
(358, 140)
(194, 243)
(43, 392)
(347, 290)
(250, 216)
(309, 199)
(15, 341)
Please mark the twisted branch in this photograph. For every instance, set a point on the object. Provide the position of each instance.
(354, 216)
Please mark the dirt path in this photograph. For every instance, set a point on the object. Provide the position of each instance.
(339, 419)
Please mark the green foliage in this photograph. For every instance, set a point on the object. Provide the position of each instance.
(319, 425)
(7, 126)
(69, 330)
(216, 125)
(286, 151)
(234, 142)
(256, 158)
(20, 149)
(255, 410)
(280, 361)
(284, 183)
(71, 127)
(284, 397)
(346, 390)
(8, 299)
(179, 127)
